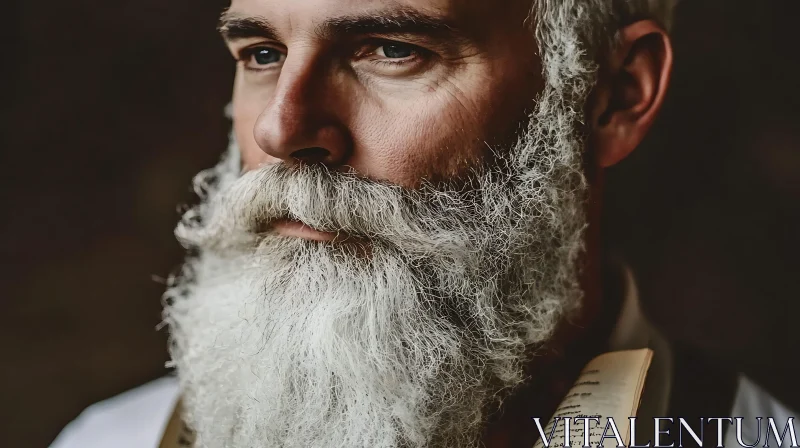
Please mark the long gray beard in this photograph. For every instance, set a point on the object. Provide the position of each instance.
(404, 342)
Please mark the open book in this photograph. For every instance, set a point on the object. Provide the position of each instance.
(608, 390)
(610, 386)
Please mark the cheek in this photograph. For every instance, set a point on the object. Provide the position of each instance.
(435, 137)
(410, 143)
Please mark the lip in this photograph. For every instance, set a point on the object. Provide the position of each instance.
(297, 229)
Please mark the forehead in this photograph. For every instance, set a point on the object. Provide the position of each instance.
(476, 15)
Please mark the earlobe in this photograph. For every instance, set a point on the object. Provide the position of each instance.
(631, 91)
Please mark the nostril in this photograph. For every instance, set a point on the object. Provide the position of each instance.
(313, 154)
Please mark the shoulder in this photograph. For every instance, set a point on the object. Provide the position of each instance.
(135, 418)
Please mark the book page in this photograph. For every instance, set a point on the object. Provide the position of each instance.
(609, 386)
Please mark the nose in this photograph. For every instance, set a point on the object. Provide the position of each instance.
(300, 124)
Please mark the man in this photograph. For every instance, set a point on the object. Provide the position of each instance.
(401, 247)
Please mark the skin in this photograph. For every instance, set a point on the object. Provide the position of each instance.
(415, 104)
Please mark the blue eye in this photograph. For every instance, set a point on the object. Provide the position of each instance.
(266, 56)
(398, 51)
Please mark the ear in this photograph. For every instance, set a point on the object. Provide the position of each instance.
(630, 91)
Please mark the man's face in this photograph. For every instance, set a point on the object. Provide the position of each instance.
(424, 131)
(402, 91)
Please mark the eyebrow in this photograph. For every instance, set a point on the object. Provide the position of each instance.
(395, 21)
(233, 27)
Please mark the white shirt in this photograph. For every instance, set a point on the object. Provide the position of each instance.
(752, 401)
(133, 419)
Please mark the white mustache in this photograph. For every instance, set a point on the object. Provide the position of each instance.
(427, 218)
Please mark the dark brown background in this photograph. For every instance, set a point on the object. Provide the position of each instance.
(109, 108)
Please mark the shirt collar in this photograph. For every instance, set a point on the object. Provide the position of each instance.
(632, 331)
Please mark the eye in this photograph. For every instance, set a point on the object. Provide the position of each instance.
(395, 58)
(396, 51)
(261, 58)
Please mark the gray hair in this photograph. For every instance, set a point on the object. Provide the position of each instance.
(597, 22)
